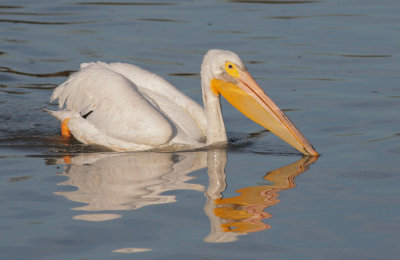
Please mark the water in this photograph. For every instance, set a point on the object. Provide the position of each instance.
(333, 66)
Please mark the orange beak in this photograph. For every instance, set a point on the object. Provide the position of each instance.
(247, 96)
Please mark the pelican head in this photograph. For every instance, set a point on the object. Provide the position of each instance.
(223, 73)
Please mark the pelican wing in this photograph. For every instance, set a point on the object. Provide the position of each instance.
(187, 116)
(117, 109)
(122, 105)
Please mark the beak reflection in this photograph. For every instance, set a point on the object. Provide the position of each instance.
(246, 213)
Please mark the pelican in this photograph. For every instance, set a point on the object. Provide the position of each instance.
(126, 108)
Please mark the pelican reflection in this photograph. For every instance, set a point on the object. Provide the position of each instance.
(128, 181)
(243, 214)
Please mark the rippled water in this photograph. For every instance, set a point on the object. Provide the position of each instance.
(332, 65)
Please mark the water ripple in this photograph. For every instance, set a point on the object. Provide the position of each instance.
(65, 73)
(123, 3)
(273, 2)
(161, 20)
(382, 139)
(290, 17)
(184, 74)
(34, 14)
(366, 55)
(9, 6)
(34, 22)
(17, 21)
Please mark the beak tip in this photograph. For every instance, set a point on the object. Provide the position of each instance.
(309, 150)
(312, 153)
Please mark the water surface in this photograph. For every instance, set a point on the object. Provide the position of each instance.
(333, 66)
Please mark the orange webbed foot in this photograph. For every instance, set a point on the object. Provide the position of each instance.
(64, 128)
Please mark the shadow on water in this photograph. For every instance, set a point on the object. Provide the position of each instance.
(108, 183)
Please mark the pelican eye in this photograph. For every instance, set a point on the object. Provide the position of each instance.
(231, 69)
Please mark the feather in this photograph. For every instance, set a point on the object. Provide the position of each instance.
(127, 104)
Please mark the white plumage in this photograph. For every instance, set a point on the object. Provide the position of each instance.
(133, 109)
(127, 108)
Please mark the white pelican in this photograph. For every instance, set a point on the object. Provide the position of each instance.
(127, 108)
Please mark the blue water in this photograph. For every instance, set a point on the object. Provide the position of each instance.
(333, 66)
